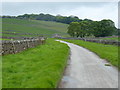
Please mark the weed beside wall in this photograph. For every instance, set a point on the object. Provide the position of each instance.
(15, 46)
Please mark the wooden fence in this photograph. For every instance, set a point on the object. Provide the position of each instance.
(15, 46)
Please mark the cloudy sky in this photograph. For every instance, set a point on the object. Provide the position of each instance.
(90, 10)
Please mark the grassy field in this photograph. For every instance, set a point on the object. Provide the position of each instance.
(108, 52)
(46, 28)
(111, 38)
(39, 67)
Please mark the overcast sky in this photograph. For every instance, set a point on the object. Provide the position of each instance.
(90, 10)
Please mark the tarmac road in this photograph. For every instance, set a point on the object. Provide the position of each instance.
(87, 70)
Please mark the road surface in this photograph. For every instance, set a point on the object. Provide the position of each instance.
(86, 70)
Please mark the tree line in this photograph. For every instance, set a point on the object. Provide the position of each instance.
(47, 17)
(77, 27)
(101, 28)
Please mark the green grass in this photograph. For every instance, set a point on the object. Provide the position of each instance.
(1, 72)
(39, 67)
(4, 39)
(34, 26)
(108, 52)
(111, 38)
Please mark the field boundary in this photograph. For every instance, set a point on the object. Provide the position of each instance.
(111, 42)
(16, 46)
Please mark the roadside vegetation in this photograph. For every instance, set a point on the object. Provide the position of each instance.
(39, 67)
(111, 38)
(108, 52)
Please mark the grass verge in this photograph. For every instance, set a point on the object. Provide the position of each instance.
(112, 38)
(108, 52)
(39, 67)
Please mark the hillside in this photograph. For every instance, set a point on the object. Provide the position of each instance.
(27, 28)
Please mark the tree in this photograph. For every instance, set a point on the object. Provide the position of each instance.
(73, 29)
(104, 28)
(79, 29)
(48, 17)
(118, 32)
(85, 27)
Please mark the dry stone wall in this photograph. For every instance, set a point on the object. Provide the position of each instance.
(16, 46)
(111, 42)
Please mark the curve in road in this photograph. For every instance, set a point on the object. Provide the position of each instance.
(87, 70)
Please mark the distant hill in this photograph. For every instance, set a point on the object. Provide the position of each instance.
(47, 17)
(12, 27)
